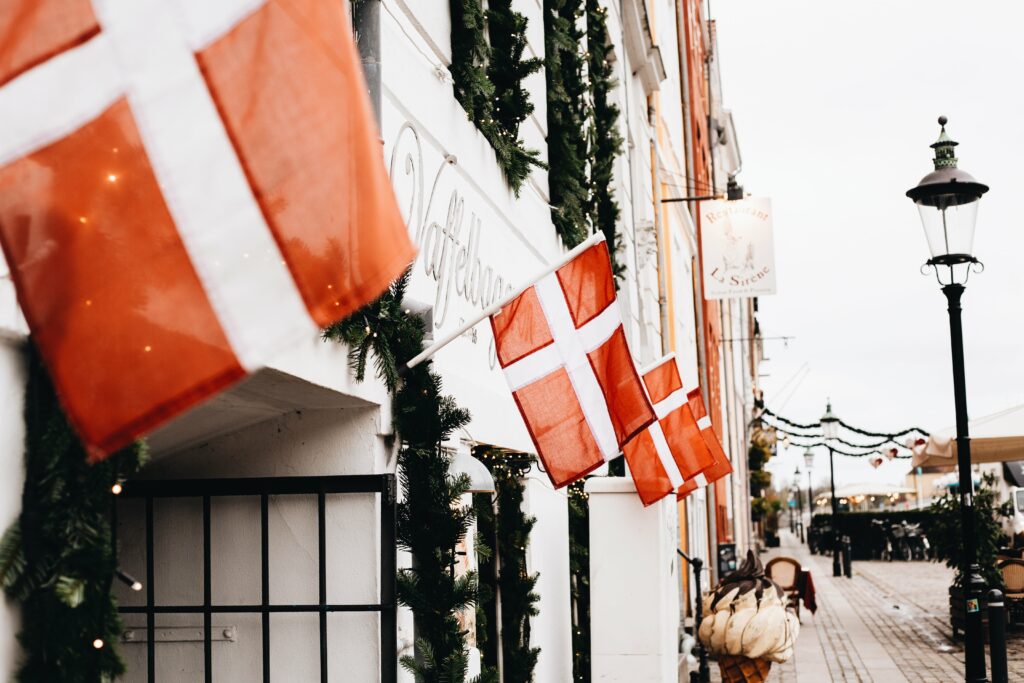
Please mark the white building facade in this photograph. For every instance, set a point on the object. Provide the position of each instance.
(199, 541)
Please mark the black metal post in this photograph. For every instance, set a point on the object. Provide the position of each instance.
(810, 503)
(974, 643)
(837, 569)
(703, 673)
(800, 503)
(792, 520)
(388, 580)
(997, 636)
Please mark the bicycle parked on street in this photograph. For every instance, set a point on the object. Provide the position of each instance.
(901, 541)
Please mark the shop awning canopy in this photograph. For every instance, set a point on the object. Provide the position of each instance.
(994, 438)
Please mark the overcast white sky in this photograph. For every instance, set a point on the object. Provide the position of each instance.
(835, 105)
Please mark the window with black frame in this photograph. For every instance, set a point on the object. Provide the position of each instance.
(258, 579)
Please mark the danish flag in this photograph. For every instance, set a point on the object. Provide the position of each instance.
(186, 187)
(563, 350)
(721, 466)
(672, 450)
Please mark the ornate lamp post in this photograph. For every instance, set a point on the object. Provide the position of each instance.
(947, 199)
(830, 430)
(809, 465)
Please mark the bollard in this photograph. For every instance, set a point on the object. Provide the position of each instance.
(997, 636)
(847, 557)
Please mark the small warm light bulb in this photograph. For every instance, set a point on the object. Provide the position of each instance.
(116, 488)
(112, 178)
(83, 219)
(147, 348)
(137, 586)
(98, 643)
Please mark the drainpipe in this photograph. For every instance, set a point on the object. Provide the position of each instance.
(366, 22)
(660, 244)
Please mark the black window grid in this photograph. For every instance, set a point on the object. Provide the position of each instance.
(264, 487)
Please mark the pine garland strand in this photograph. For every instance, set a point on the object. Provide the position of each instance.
(568, 182)
(508, 532)
(431, 520)
(605, 140)
(58, 560)
(488, 80)
(579, 577)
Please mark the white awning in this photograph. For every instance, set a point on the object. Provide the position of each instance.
(994, 438)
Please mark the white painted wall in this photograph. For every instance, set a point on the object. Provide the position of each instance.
(296, 444)
(634, 585)
(548, 554)
(12, 475)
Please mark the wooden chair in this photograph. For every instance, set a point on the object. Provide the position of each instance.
(785, 571)
(1013, 579)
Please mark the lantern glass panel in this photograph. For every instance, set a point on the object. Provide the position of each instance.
(949, 227)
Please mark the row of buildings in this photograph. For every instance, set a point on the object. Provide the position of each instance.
(295, 539)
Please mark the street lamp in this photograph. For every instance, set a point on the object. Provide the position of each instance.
(947, 199)
(830, 430)
(809, 465)
(799, 500)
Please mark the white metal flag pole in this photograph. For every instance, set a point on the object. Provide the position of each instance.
(494, 308)
(667, 357)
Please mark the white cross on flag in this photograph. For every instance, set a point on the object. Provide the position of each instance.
(564, 353)
(721, 466)
(186, 187)
(672, 450)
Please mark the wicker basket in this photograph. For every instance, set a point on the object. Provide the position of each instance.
(737, 669)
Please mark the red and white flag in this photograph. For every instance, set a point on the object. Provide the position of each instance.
(564, 354)
(672, 450)
(721, 466)
(186, 187)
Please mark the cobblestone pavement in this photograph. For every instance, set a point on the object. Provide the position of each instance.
(890, 623)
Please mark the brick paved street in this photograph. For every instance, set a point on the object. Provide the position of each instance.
(890, 623)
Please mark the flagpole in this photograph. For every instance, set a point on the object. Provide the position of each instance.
(494, 308)
(667, 357)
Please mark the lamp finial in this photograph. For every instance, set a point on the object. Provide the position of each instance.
(944, 155)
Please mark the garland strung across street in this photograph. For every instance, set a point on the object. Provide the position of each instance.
(488, 80)
(811, 436)
(58, 560)
(432, 522)
(863, 432)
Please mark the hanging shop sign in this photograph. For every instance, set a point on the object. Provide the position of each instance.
(737, 250)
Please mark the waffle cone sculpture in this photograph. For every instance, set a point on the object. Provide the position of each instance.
(746, 624)
(736, 669)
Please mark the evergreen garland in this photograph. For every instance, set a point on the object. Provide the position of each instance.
(431, 521)
(568, 182)
(579, 577)
(518, 601)
(507, 70)
(58, 559)
(509, 532)
(488, 80)
(605, 140)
